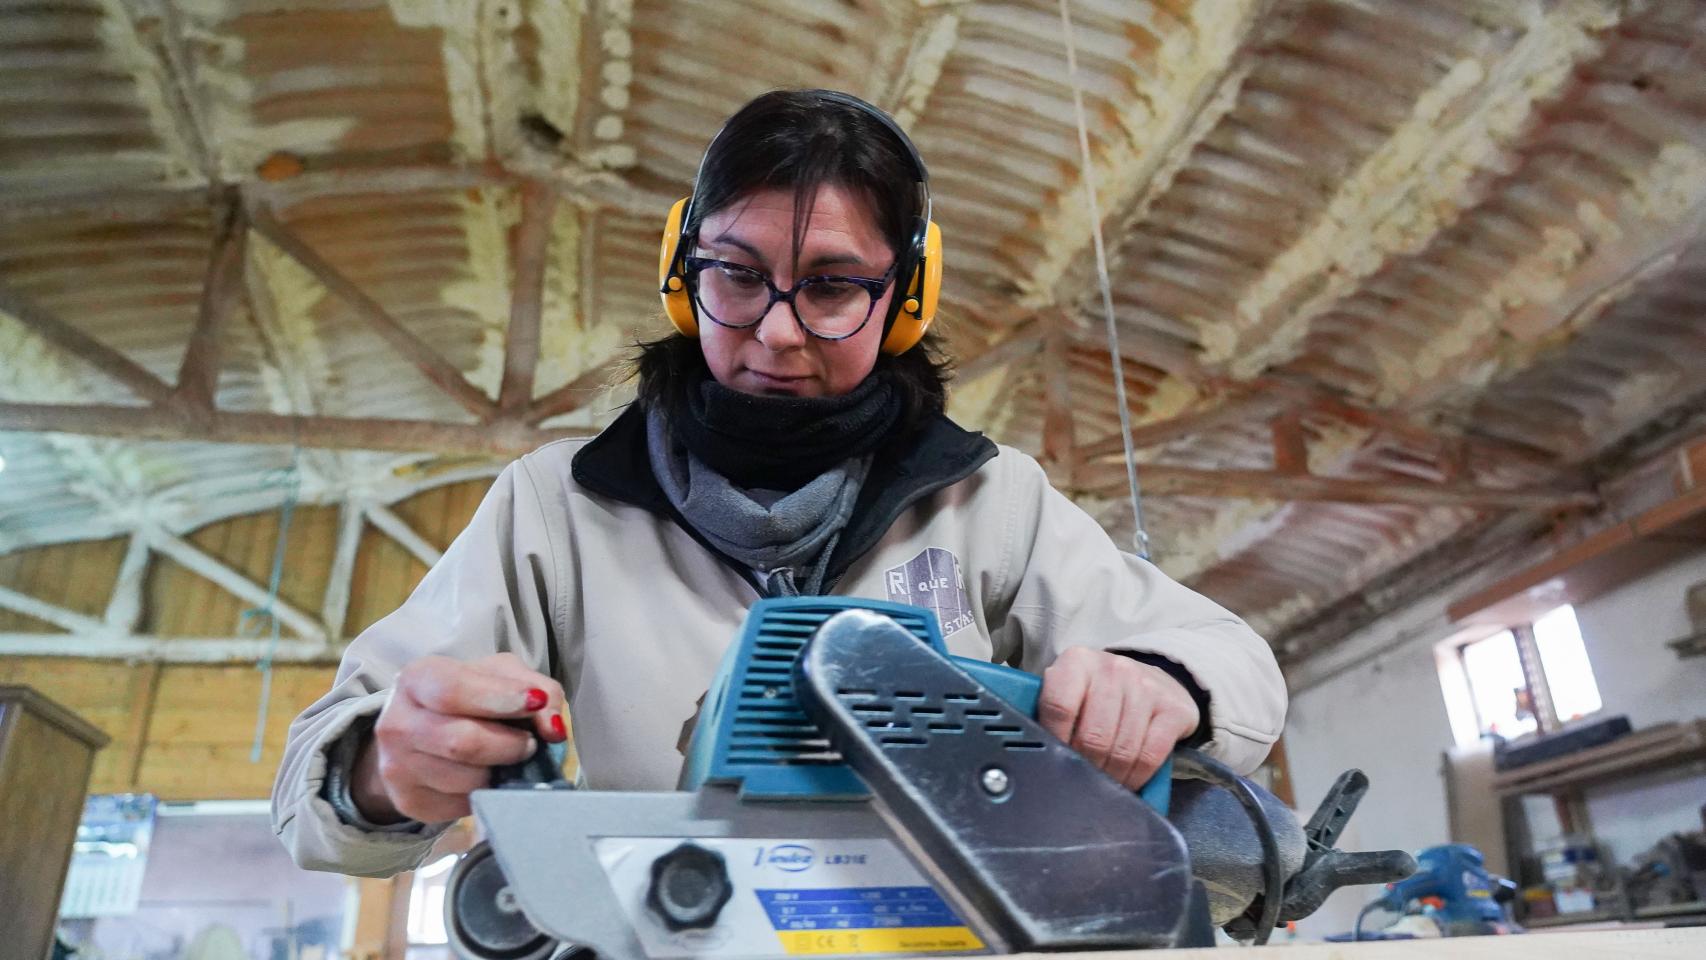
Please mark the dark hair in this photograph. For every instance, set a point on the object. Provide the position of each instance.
(804, 140)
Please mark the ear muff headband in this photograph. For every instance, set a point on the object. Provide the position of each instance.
(918, 274)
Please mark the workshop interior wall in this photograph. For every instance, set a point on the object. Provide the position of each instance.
(1385, 716)
(1625, 633)
(1376, 704)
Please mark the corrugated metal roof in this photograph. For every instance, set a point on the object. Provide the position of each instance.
(1446, 218)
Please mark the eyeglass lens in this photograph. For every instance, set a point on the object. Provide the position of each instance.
(828, 307)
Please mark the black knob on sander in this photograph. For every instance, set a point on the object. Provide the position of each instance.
(690, 884)
(539, 771)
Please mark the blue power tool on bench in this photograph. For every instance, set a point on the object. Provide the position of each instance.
(852, 789)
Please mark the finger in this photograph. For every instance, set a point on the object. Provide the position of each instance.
(458, 689)
(1064, 686)
(476, 743)
(1164, 733)
(548, 721)
(410, 769)
(1136, 717)
(430, 806)
(1099, 718)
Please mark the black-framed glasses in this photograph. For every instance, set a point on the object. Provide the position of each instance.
(827, 307)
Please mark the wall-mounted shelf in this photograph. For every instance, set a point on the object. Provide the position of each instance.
(1664, 745)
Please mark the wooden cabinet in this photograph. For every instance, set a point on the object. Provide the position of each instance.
(46, 752)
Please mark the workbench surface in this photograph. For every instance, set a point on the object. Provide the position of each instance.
(1678, 943)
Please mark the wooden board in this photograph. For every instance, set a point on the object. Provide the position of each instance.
(45, 754)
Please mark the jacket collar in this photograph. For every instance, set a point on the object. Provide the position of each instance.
(615, 464)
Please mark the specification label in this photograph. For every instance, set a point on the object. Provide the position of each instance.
(865, 920)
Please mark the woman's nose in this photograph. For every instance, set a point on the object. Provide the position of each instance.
(779, 330)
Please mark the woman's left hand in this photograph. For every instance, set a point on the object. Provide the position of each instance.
(1125, 716)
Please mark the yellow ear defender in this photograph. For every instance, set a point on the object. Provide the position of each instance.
(922, 291)
(672, 282)
(912, 306)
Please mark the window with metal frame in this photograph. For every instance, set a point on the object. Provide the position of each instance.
(1528, 678)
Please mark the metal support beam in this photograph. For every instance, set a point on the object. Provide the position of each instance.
(49, 612)
(1166, 479)
(1291, 453)
(1060, 445)
(1239, 408)
(573, 395)
(198, 376)
(124, 605)
(326, 433)
(197, 561)
(398, 529)
(334, 609)
(435, 368)
(114, 364)
(521, 344)
(1022, 342)
(175, 650)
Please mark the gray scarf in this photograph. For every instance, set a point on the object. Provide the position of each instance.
(787, 538)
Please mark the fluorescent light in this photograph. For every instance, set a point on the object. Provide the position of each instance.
(2, 463)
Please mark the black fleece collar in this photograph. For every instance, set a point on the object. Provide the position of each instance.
(615, 464)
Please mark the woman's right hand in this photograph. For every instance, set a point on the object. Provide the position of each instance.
(439, 735)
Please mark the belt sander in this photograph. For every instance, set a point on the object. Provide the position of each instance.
(852, 789)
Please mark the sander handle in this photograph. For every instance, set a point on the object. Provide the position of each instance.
(1022, 689)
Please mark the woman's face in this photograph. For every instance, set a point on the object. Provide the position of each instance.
(776, 355)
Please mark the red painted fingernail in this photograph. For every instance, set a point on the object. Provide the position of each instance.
(536, 699)
(557, 728)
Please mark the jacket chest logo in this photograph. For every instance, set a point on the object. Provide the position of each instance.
(932, 580)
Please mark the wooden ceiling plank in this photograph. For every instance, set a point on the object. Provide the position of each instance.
(440, 372)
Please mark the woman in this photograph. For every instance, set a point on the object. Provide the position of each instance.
(789, 438)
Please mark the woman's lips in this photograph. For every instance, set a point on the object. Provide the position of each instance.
(776, 381)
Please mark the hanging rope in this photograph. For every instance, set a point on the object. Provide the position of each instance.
(1140, 535)
(291, 479)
